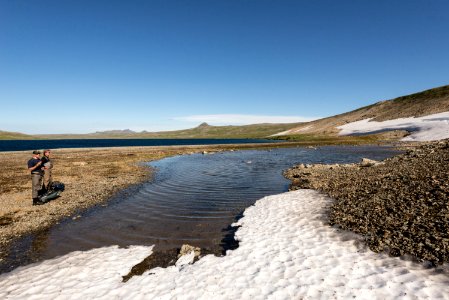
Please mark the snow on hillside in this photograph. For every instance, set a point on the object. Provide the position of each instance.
(427, 128)
(293, 131)
(286, 252)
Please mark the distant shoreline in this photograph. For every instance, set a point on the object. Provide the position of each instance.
(25, 145)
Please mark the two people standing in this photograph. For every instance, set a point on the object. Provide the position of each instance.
(41, 174)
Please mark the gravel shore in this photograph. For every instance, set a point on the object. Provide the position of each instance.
(400, 205)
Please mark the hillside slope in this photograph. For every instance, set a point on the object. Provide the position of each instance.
(6, 135)
(420, 104)
(415, 105)
(202, 131)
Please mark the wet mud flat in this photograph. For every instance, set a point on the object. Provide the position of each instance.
(191, 199)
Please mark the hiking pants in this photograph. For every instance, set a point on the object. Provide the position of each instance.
(47, 178)
(36, 184)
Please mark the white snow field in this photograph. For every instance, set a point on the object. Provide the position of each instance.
(286, 252)
(428, 128)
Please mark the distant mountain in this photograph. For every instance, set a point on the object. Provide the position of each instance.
(6, 135)
(115, 132)
(420, 104)
(203, 130)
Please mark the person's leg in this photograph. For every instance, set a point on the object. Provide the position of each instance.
(36, 181)
(47, 179)
(35, 185)
(50, 176)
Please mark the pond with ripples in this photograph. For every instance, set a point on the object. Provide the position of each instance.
(191, 199)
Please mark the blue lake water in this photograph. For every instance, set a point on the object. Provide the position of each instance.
(21, 145)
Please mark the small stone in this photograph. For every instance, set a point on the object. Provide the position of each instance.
(366, 162)
(186, 249)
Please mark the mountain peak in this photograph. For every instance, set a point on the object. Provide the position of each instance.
(204, 124)
(119, 131)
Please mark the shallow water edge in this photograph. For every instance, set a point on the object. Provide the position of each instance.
(186, 184)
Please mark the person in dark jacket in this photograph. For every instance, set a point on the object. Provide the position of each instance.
(35, 167)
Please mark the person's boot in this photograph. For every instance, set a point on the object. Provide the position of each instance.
(41, 192)
(36, 201)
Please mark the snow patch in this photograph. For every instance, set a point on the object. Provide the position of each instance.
(293, 131)
(428, 128)
(89, 274)
(286, 252)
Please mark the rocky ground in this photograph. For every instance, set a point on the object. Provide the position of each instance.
(401, 205)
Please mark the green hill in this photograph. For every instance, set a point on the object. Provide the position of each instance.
(202, 131)
(424, 103)
(6, 135)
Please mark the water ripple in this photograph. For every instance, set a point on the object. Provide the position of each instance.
(192, 199)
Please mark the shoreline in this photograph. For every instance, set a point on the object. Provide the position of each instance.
(91, 175)
(400, 205)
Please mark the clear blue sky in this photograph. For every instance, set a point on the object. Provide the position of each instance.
(82, 66)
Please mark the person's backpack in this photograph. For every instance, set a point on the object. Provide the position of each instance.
(53, 192)
(57, 186)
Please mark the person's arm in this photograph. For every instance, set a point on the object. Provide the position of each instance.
(44, 160)
(31, 169)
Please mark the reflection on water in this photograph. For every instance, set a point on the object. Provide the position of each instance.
(192, 199)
